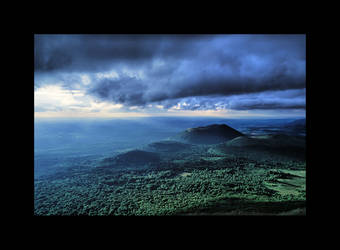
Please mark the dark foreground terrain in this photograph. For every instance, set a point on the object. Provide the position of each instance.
(189, 173)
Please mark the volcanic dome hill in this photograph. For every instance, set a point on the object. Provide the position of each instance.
(212, 134)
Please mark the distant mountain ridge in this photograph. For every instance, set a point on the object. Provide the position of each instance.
(297, 123)
(217, 139)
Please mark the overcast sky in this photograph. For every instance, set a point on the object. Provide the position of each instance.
(173, 75)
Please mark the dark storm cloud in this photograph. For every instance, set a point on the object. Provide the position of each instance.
(97, 52)
(179, 67)
(268, 104)
(287, 99)
(127, 90)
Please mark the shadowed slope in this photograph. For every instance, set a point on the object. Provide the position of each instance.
(133, 157)
(168, 146)
(263, 147)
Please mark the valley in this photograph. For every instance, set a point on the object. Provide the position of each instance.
(185, 174)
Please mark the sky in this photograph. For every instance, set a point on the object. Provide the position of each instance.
(232, 76)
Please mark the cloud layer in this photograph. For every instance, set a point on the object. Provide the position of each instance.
(240, 72)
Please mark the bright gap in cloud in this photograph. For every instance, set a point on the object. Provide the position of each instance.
(54, 101)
